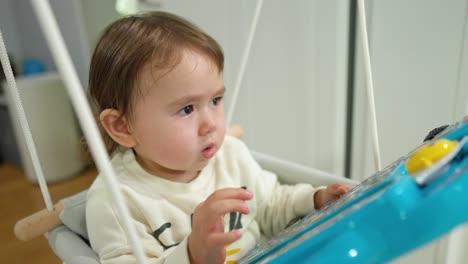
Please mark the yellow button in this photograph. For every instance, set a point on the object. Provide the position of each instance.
(429, 154)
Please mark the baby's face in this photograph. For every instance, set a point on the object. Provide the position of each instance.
(178, 121)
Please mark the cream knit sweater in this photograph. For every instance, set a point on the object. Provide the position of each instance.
(161, 209)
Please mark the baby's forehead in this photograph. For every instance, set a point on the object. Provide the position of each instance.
(151, 78)
(155, 73)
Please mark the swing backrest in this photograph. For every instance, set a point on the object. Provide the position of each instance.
(70, 247)
(69, 241)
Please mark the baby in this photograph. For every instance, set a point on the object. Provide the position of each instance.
(194, 194)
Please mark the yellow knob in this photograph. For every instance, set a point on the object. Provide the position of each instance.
(429, 154)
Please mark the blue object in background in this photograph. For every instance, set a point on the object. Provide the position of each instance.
(31, 67)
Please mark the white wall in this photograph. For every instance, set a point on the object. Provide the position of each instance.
(10, 30)
(96, 16)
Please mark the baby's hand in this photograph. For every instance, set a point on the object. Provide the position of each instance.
(207, 242)
(332, 192)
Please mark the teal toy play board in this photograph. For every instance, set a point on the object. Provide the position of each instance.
(416, 199)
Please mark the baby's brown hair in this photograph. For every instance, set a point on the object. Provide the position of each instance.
(130, 43)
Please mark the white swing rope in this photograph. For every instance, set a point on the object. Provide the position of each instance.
(15, 96)
(370, 84)
(244, 60)
(82, 109)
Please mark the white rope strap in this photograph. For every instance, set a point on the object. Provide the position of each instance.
(67, 71)
(370, 84)
(15, 96)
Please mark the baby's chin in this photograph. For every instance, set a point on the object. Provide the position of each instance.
(202, 164)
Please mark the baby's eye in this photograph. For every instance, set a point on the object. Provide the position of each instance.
(217, 100)
(186, 110)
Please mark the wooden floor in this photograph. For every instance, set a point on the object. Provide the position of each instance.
(20, 198)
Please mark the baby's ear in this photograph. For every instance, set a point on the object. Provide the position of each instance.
(117, 127)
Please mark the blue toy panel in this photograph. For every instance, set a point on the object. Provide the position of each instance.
(382, 218)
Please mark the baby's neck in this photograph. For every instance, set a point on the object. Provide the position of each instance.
(168, 174)
(182, 176)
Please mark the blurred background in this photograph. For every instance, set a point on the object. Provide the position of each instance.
(302, 98)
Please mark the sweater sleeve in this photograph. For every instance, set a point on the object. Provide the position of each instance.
(276, 204)
(279, 204)
(108, 239)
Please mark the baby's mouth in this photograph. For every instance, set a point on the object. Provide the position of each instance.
(209, 151)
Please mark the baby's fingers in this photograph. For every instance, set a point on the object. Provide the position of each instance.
(231, 193)
(224, 239)
(343, 189)
(338, 189)
(222, 207)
